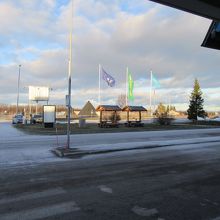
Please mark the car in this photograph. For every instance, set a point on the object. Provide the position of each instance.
(37, 119)
(17, 119)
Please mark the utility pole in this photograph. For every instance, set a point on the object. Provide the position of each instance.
(19, 73)
(69, 80)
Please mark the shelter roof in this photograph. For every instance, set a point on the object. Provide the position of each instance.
(212, 38)
(206, 8)
(108, 108)
(134, 108)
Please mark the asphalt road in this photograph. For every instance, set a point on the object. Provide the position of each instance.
(19, 149)
(169, 183)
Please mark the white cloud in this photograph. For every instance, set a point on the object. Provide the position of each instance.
(117, 34)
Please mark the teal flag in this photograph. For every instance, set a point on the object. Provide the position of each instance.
(155, 82)
(130, 87)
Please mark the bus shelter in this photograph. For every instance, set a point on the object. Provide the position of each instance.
(111, 119)
(137, 109)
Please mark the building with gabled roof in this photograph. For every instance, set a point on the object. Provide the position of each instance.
(88, 110)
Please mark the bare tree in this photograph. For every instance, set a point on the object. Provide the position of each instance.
(121, 101)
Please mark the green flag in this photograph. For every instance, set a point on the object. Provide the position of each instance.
(130, 87)
(155, 82)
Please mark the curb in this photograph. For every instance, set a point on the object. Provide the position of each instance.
(64, 152)
(76, 152)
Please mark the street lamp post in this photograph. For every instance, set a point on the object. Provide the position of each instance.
(19, 73)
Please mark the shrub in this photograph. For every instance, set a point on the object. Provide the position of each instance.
(114, 117)
(164, 119)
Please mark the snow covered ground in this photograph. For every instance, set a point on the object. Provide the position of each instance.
(215, 119)
(18, 149)
(7, 131)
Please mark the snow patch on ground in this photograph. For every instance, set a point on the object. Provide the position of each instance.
(144, 212)
(21, 149)
(105, 189)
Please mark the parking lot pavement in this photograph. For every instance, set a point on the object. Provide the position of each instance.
(7, 131)
(162, 183)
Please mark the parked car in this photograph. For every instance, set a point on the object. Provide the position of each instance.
(17, 119)
(37, 119)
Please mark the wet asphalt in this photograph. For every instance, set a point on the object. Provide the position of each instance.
(170, 183)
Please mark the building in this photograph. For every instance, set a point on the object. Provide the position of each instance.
(88, 111)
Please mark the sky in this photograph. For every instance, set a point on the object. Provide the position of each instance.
(117, 34)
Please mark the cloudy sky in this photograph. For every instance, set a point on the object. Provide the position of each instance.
(138, 34)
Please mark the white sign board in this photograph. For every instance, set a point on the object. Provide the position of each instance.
(49, 114)
(38, 93)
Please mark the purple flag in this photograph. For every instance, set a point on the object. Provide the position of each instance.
(108, 78)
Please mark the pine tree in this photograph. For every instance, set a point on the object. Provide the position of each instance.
(196, 103)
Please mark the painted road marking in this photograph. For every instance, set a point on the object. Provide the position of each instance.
(38, 179)
(42, 212)
(105, 189)
(207, 201)
(144, 212)
(36, 195)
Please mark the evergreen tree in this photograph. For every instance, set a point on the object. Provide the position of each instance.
(196, 103)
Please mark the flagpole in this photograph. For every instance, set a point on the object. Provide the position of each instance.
(99, 84)
(154, 100)
(69, 79)
(126, 86)
(151, 92)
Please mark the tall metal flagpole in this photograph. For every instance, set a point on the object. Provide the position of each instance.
(99, 84)
(151, 92)
(127, 86)
(69, 80)
(19, 73)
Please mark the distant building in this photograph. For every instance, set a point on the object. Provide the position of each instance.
(174, 113)
(77, 111)
(88, 110)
